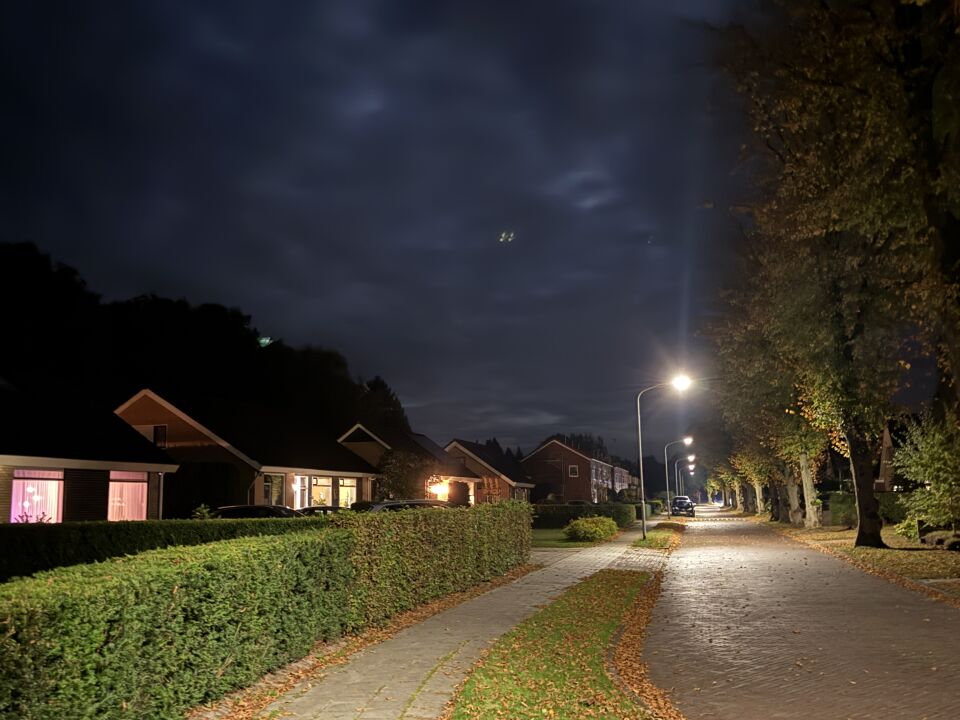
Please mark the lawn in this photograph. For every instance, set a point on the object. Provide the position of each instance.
(664, 536)
(905, 558)
(553, 664)
(554, 538)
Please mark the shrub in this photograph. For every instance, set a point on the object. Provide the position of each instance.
(43, 546)
(656, 505)
(930, 458)
(558, 516)
(405, 558)
(892, 507)
(590, 529)
(843, 509)
(151, 635)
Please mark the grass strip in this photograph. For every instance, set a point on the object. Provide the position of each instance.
(553, 665)
(664, 536)
(554, 538)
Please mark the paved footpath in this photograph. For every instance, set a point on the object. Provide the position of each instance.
(413, 674)
(753, 626)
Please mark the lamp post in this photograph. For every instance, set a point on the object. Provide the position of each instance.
(681, 383)
(666, 463)
(677, 477)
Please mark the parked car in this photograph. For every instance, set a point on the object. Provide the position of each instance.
(315, 510)
(682, 505)
(391, 505)
(255, 511)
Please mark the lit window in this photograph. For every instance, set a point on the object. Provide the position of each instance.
(348, 492)
(127, 498)
(321, 491)
(573, 471)
(37, 496)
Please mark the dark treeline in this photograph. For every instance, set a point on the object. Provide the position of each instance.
(60, 338)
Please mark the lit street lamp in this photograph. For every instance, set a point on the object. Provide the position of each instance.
(680, 383)
(666, 463)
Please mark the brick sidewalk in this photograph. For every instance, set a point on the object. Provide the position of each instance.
(414, 674)
(753, 626)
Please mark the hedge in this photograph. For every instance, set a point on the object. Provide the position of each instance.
(402, 559)
(843, 508)
(42, 546)
(558, 516)
(151, 635)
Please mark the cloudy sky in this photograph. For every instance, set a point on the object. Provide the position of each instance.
(343, 171)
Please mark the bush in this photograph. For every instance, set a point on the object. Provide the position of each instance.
(151, 635)
(590, 529)
(656, 505)
(892, 508)
(558, 516)
(42, 546)
(930, 458)
(843, 509)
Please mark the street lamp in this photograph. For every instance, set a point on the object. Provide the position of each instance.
(666, 463)
(680, 383)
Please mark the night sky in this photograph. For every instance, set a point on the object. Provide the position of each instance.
(343, 170)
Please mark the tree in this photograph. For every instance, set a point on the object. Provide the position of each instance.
(930, 457)
(403, 475)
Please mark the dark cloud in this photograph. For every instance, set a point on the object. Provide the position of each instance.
(343, 171)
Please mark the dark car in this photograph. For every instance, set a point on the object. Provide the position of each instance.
(392, 505)
(682, 505)
(255, 511)
(315, 510)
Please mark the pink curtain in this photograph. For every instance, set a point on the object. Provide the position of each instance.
(127, 501)
(35, 498)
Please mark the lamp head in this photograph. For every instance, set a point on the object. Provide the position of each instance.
(691, 458)
(691, 467)
(681, 382)
(688, 440)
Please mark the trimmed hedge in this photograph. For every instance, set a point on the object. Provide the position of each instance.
(558, 516)
(843, 508)
(151, 635)
(405, 558)
(590, 529)
(42, 546)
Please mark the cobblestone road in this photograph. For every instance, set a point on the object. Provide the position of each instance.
(753, 626)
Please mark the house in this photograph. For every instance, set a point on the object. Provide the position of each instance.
(567, 474)
(451, 479)
(235, 453)
(501, 476)
(60, 462)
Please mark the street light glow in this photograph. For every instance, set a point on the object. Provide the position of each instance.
(681, 382)
(691, 467)
(691, 458)
(688, 440)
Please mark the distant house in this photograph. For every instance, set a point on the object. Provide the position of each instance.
(501, 476)
(230, 453)
(452, 480)
(59, 462)
(566, 474)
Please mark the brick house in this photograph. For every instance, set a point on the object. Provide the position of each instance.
(60, 462)
(501, 476)
(230, 453)
(567, 475)
(453, 481)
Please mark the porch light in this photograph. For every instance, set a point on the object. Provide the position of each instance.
(439, 488)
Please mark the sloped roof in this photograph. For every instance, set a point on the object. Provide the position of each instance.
(414, 443)
(269, 437)
(54, 427)
(504, 464)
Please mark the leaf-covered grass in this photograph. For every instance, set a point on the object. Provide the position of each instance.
(553, 664)
(905, 557)
(664, 536)
(554, 538)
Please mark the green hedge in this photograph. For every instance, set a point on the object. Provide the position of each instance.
(656, 505)
(151, 635)
(42, 546)
(408, 557)
(590, 529)
(843, 508)
(558, 516)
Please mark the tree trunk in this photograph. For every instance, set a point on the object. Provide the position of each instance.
(795, 514)
(738, 496)
(862, 455)
(775, 503)
(758, 489)
(814, 512)
(723, 492)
